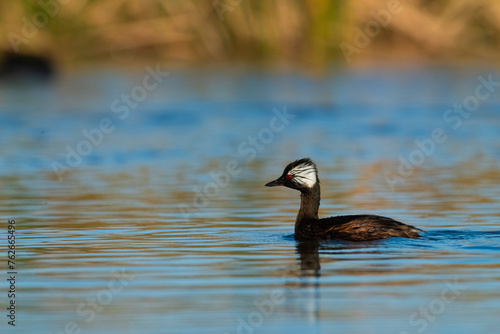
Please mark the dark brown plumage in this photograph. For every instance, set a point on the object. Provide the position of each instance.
(302, 175)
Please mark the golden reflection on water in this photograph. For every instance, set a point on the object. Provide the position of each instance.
(435, 192)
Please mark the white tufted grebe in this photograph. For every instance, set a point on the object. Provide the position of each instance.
(302, 175)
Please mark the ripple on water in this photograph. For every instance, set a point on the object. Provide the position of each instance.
(132, 209)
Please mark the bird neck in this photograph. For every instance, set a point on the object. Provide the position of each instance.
(309, 204)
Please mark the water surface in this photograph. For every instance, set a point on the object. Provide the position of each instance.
(138, 236)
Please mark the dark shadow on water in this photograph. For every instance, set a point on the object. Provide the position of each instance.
(308, 258)
(25, 68)
(433, 239)
(309, 261)
(307, 288)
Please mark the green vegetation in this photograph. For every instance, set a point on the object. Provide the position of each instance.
(297, 31)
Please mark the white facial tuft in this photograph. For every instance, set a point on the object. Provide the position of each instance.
(304, 174)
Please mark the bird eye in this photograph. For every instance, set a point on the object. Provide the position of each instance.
(289, 177)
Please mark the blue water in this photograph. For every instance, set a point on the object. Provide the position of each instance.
(159, 221)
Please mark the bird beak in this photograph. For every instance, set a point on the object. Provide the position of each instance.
(277, 182)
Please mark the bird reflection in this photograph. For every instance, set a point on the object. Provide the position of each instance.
(303, 283)
(309, 258)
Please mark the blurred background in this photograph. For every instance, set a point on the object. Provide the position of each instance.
(278, 32)
(136, 138)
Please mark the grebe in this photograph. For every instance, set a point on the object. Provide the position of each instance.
(302, 175)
